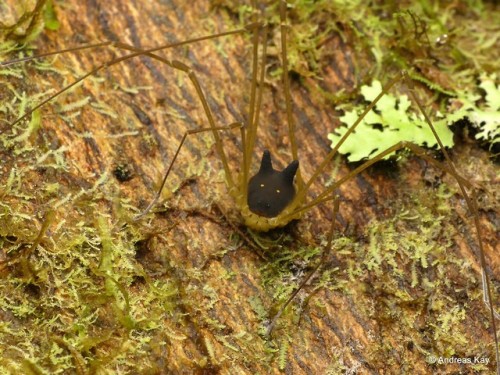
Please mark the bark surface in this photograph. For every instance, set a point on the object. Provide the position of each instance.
(384, 309)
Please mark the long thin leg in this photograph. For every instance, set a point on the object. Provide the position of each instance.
(52, 53)
(471, 200)
(255, 101)
(175, 65)
(181, 143)
(472, 204)
(179, 66)
(218, 143)
(286, 88)
(247, 152)
(417, 150)
(253, 89)
(447, 167)
(302, 193)
(324, 254)
(138, 52)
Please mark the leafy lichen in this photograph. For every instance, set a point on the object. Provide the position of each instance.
(390, 122)
(483, 113)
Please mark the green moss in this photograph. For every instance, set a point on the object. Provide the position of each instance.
(401, 277)
(22, 21)
(105, 294)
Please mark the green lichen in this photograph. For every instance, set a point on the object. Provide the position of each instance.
(390, 122)
(483, 112)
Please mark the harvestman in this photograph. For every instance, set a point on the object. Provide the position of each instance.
(271, 198)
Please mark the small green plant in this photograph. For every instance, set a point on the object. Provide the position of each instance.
(484, 113)
(390, 122)
(22, 21)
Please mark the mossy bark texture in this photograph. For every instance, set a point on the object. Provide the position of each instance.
(188, 289)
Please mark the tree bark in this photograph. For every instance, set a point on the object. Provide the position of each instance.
(384, 308)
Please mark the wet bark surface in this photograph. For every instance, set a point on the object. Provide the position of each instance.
(372, 319)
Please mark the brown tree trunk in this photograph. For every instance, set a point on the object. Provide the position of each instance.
(383, 308)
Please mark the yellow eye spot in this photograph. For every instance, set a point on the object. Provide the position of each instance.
(261, 185)
(277, 191)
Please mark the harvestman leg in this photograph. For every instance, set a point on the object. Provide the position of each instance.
(256, 28)
(322, 260)
(253, 120)
(464, 184)
(177, 65)
(286, 86)
(255, 101)
(123, 46)
(181, 143)
(325, 196)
